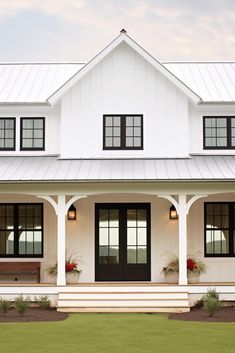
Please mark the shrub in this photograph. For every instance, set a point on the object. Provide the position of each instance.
(43, 302)
(21, 304)
(211, 305)
(211, 302)
(5, 305)
(212, 293)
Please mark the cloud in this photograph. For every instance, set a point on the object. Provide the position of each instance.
(170, 29)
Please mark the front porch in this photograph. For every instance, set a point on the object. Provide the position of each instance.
(62, 238)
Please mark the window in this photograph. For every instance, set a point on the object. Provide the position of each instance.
(7, 134)
(219, 229)
(21, 230)
(123, 132)
(219, 132)
(32, 134)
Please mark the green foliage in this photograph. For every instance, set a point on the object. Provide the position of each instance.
(5, 305)
(43, 302)
(211, 293)
(211, 302)
(172, 265)
(211, 305)
(21, 304)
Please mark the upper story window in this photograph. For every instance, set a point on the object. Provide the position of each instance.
(219, 132)
(219, 229)
(7, 134)
(123, 132)
(32, 134)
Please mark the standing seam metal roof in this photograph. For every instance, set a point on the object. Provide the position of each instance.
(50, 168)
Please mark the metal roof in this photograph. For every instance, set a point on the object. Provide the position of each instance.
(50, 168)
(33, 83)
(36, 82)
(212, 81)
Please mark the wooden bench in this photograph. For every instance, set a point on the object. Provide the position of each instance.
(17, 270)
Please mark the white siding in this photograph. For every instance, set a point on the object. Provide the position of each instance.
(196, 114)
(52, 127)
(124, 83)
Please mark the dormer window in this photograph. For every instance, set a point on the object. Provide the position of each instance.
(123, 132)
(219, 132)
(32, 134)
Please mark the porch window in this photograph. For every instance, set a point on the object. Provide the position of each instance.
(7, 134)
(219, 229)
(219, 132)
(32, 134)
(21, 230)
(123, 132)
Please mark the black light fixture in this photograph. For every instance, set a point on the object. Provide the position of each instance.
(72, 213)
(173, 212)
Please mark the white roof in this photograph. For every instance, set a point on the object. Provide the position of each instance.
(33, 83)
(212, 81)
(50, 168)
(36, 82)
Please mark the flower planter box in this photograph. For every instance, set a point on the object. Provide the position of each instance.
(171, 277)
(72, 277)
(193, 277)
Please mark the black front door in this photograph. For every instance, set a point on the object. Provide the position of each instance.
(122, 242)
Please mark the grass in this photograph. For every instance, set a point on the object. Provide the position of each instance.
(117, 333)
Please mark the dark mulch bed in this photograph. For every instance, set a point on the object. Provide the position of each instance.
(33, 314)
(226, 314)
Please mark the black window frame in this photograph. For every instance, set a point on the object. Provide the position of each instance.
(228, 128)
(14, 136)
(230, 229)
(123, 132)
(21, 134)
(16, 231)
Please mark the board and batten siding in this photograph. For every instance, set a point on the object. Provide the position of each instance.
(124, 83)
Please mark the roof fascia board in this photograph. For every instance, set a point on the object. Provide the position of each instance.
(123, 37)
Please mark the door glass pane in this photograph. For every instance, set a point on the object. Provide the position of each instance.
(108, 236)
(142, 255)
(113, 255)
(104, 236)
(113, 236)
(137, 236)
(131, 236)
(131, 255)
(142, 236)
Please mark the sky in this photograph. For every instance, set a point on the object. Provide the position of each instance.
(75, 30)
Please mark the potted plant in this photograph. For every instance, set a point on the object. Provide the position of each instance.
(72, 271)
(171, 270)
(195, 268)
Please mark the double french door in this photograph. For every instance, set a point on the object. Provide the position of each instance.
(122, 242)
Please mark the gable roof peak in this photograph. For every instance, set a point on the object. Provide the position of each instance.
(123, 31)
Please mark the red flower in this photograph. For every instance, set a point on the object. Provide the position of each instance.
(70, 266)
(191, 264)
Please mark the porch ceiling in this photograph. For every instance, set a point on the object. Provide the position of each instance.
(50, 168)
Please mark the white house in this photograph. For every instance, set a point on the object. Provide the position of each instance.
(122, 139)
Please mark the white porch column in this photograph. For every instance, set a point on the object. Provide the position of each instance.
(61, 240)
(182, 213)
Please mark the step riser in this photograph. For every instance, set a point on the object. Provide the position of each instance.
(123, 303)
(124, 289)
(124, 310)
(117, 296)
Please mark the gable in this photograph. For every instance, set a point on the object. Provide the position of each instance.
(124, 38)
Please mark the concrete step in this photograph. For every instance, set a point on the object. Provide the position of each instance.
(122, 296)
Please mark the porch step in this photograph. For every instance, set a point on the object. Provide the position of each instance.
(123, 299)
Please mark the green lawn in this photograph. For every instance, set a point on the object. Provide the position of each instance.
(117, 333)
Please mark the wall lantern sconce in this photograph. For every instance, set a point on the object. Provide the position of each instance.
(72, 213)
(173, 212)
